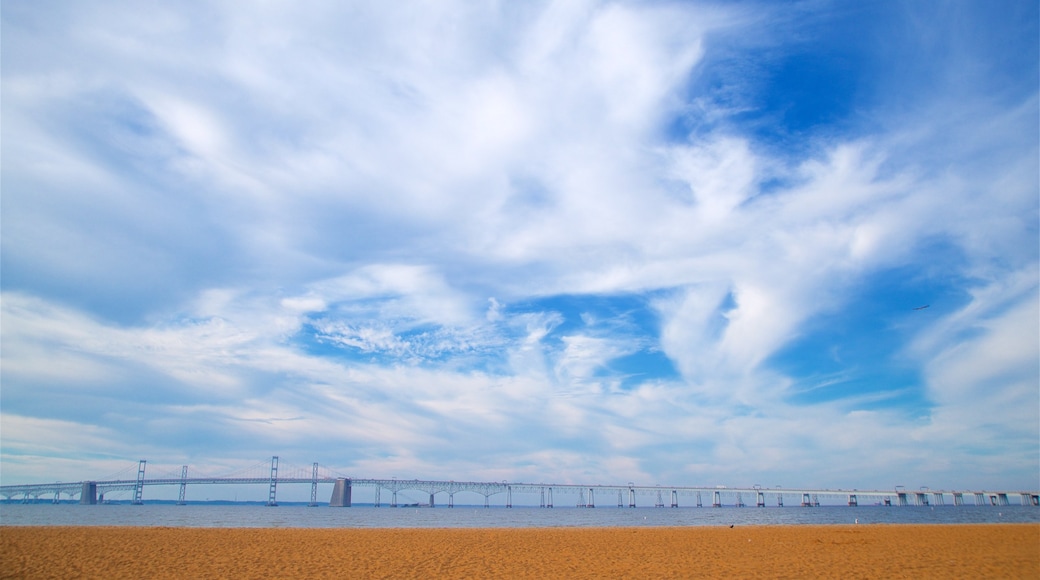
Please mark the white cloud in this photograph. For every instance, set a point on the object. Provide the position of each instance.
(982, 372)
(289, 222)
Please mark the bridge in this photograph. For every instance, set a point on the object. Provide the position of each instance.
(579, 495)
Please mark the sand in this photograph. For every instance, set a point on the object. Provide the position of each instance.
(857, 551)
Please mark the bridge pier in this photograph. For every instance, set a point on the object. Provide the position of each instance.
(761, 502)
(88, 495)
(272, 491)
(717, 500)
(806, 502)
(340, 493)
(314, 486)
(139, 487)
(184, 485)
(675, 498)
(853, 502)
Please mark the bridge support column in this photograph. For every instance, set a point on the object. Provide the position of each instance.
(806, 502)
(314, 486)
(675, 498)
(631, 497)
(717, 500)
(139, 487)
(340, 493)
(761, 500)
(431, 500)
(184, 485)
(853, 502)
(550, 504)
(272, 491)
(620, 499)
(958, 498)
(88, 495)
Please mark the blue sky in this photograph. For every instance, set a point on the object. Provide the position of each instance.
(659, 242)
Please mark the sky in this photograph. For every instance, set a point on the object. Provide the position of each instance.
(689, 243)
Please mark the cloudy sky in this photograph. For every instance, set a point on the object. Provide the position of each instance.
(575, 241)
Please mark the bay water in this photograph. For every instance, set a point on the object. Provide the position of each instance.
(302, 516)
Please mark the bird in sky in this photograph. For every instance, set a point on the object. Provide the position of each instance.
(922, 307)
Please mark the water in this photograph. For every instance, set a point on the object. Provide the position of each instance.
(290, 516)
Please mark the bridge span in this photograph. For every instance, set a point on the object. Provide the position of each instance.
(579, 495)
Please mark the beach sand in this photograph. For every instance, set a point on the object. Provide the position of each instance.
(857, 551)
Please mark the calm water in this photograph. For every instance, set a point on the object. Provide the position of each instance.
(467, 517)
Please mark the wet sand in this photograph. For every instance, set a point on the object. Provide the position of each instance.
(857, 551)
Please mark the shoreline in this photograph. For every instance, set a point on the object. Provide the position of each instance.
(994, 550)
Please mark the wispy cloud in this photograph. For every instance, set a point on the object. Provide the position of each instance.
(667, 242)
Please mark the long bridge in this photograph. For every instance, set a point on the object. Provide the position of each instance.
(581, 495)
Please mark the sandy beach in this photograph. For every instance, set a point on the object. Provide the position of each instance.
(857, 551)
